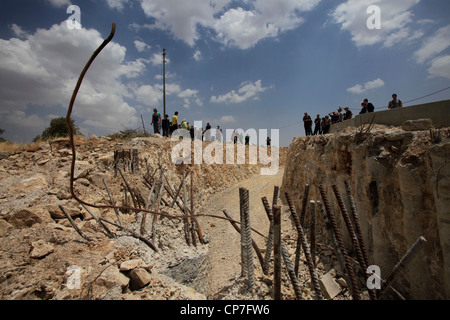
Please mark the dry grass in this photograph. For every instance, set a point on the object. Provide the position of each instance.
(35, 146)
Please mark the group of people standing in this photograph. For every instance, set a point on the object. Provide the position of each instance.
(322, 125)
(167, 126)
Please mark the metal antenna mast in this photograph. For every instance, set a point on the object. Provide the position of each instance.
(164, 80)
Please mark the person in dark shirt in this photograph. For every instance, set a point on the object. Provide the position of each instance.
(317, 126)
(348, 114)
(166, 126)
(307, 121)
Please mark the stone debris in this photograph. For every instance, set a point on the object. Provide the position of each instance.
(330, 288)
(41, 249)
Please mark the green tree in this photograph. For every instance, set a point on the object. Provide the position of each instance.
(57, 129)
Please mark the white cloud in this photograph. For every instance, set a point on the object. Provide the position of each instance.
(42, 70)
(227, 119)
(233, 26)
(60, 3)
(141, 46)
(117, 4)
(440, 67)
(370, 85)
(198, 55)
(18, 31)
(352, 16)
(433, 45)
(246, 91)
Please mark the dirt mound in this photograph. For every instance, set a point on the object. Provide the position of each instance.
(44, 257)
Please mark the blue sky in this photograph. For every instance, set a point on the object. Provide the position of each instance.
(239, 64)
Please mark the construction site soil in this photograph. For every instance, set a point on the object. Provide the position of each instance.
(43, 256)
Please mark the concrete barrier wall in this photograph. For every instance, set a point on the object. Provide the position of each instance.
(438, 112)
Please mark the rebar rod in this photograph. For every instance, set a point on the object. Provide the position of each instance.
(304, 203)
(246, 231)
(74, 225)
(312, 229)
(133, 234)
(275, 195)
(193, 222)
(276, 210)
(354, 281)
(112, 202)
(185, 209)
(269, 244)
(306, 249)
(291, 271)
(255, 246)
(403, 262)
(356, 221)
(358, 232)
(108, 232)
(350, 229)
(179, 189)
(241, 219)
(128, 187)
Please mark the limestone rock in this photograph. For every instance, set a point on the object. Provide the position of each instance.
(131, 264)
(4, 227)
(329, 286)
(25, 218)
(139, 278)
(417, 125)
(41, 249)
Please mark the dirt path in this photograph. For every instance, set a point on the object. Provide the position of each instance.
(224, 239)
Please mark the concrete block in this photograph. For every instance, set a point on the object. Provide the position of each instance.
(330, 288)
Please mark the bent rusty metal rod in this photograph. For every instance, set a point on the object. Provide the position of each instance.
(304, 203)
(269, 244)
(350, 228)
(356, 294)
(255, 246)
(402, 263)
(312, 238)
(277, 252)
(108, 232)
(112, 202)
(306, 249)
(246, 237)
(353, 237)
(72, 146)
(74, 225)
(284, 252)
(356, 221)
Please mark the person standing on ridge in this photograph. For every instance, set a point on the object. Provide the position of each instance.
(307, 121)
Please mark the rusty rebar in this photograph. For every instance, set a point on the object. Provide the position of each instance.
(275, 195)
(291, 271)
(354, 281)
(304, 203)
(357, 230)
(269, 244)
(350, 228)
(402, 263)
(306, 249)
(74, 225)
(255, 246)
(246, 237)
(193, 223)
(112, 202)
(108, 232)
(356, 221)
(312, 229)
(276, 211)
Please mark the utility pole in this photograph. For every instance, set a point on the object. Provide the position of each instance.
(164, 80)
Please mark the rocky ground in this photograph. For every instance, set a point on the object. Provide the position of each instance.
(42, 256)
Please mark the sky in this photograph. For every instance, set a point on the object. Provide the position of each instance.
(249, 64)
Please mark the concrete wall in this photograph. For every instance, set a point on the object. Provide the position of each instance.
(438, 112)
